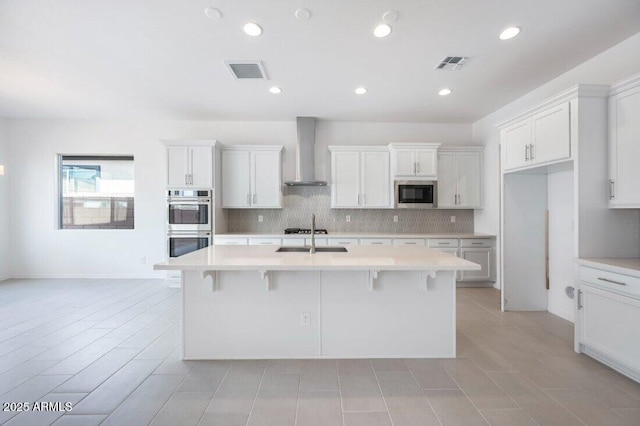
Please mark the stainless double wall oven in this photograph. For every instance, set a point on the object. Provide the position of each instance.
(189, 220)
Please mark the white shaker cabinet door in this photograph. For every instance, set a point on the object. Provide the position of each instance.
(468, 166)
(266, 181)
(236, 175)
(624, 149)
(375, 183)
(426, 163)
(177, 166)
(201, 161)
(516, 141)
(551, 135)
(345, 170)
(481, 256)
(447, 180)
(404, 163)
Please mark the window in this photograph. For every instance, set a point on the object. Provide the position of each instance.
(96, 192)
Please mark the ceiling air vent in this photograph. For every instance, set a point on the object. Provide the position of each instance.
(452, 63)
(242, 70)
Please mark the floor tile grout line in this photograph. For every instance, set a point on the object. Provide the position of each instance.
(563, 406)
(295, 420)
(264, 371)
(467, 396)
(214, 393)
(170, 396)
(340, 391)
(380, 389)
(423, 395)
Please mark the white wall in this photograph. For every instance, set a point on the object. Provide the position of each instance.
(41, 250)
(5, 204)
(609, 67)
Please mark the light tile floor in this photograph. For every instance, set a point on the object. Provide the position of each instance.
(111, 349)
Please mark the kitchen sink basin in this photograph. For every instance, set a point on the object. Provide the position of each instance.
(306, 249)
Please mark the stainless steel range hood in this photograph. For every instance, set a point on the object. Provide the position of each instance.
(305, 153)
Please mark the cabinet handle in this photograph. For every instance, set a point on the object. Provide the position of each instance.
(343, 242)
(364, 199)
(611, 188)
(612, 281)
(444, 244)
(255, 198)
(376, 243)
(414, 167)
(266, 244)
(410, 243)
(417, 167)
(248, 199)
(186, 179)
(526, 153)
(476, 244)
(531, 156)
(191, 179)
(579, 299)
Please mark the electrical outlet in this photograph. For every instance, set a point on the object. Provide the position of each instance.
(395, 218)
(348, 217)
(453, 219)
(260, 218)
(143, 260)
(305, 319)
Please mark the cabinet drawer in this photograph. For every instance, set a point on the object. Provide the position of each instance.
(476, 242)
(409, 242)
(293, 241)
(443, 242)
(319, 241)
(265, 241)
(343, 241)
(230, 241)
(375, 241)
(610, 280)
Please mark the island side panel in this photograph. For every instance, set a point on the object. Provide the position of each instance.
(242, 320)
(398, 319)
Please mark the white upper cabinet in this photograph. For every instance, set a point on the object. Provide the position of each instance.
(624, 146)
(414, 161)
(360, 177)
(252, 177)
(460, 177)
(540, 139)
(189, 165)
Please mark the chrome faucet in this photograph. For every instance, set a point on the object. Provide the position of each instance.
(313, 234)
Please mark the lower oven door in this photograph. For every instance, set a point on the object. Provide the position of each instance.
(183, 243)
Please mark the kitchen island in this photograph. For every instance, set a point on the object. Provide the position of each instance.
(252, 302)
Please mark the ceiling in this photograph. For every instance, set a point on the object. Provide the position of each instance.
(165, 58)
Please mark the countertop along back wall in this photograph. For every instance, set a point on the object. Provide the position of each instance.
(39, 249)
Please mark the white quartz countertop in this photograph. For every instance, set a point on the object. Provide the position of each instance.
(355, 235)
(381, 258)
(621, 265)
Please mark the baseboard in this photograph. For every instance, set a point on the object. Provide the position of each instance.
(562, 314)
(473, 285)
(89, 276)
(5, 277)
(620, 367)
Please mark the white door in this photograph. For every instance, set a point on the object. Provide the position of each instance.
(375, 181)
(447, 180)
(236, 188)
(265, 180)
(481, 256)
(345, 177)
(551, 135)
(426, 163)
(609, 323)
(201, 160)
(469, 180)
(404, 162)
(177, 166)
(624, 148)
(515, 142)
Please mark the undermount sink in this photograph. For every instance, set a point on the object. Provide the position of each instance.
(307, 249)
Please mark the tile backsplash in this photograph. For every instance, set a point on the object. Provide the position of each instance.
(301, 201)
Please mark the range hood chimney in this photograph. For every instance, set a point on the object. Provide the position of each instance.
(305, 153)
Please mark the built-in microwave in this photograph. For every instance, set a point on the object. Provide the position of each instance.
(416, 194)
(189, 210)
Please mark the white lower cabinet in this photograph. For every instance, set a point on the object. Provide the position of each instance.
(230, 241)
(376, 241)
(343, 241)
(609, 325)
(409, 242)
(481, 256)
(292, 241)
(265, 241)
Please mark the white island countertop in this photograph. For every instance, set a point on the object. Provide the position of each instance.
(383, 258)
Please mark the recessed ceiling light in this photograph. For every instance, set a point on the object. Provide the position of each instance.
(275, 90)
(382, 30)
(252, 29)
(213, 13)
(510, 32)
(444, 92)
(303, 14)
(361, 90)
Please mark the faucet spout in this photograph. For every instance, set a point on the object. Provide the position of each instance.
(313, 234)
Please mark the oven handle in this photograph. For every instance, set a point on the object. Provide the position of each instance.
(194, 202)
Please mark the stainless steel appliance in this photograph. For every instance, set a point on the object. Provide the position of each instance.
(189, 210)
(416, 194)
(305, 231)
(179, 243)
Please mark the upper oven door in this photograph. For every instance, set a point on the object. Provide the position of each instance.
(416, 194)
(189, 215)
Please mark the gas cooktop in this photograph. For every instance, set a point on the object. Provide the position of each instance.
(304, 231)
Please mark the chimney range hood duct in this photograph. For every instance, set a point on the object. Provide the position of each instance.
(305, 153)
